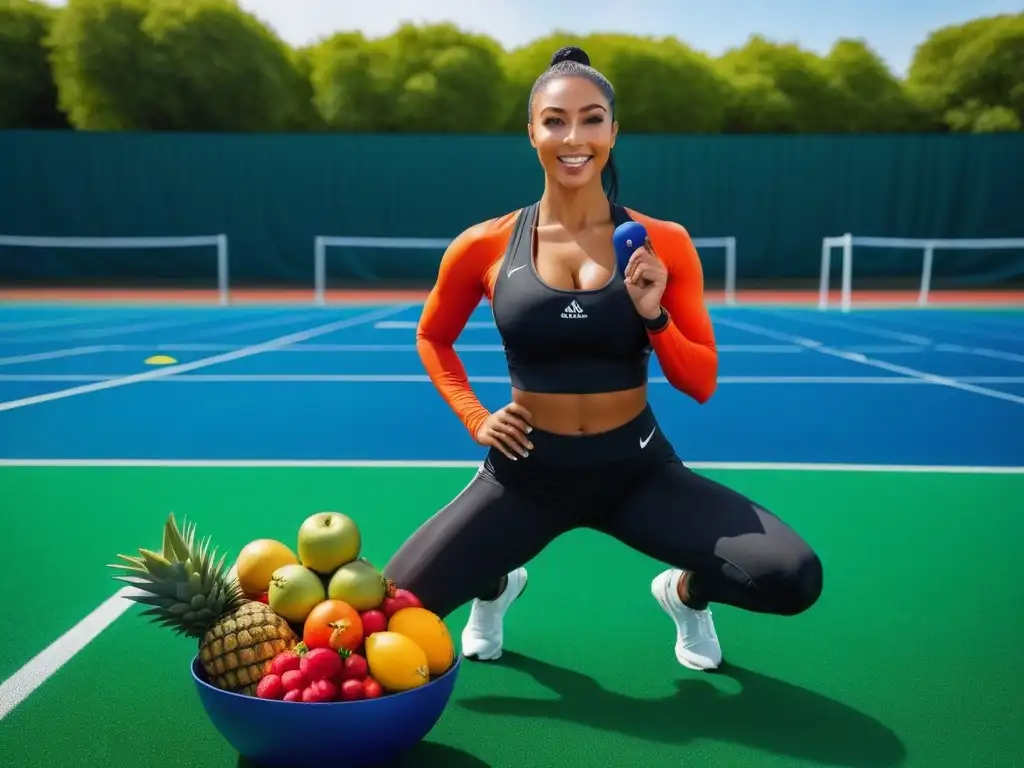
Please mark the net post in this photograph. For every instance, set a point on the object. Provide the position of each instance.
(847, 300)
(730, 271)
(223, 270)
(926, 274)
(826, 269)
(319, 271)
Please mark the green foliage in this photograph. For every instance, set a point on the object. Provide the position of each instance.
(207, 65)
(29, 96)
(971, 76)
(197, 65)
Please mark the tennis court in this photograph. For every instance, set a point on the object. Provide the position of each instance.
(890, 438)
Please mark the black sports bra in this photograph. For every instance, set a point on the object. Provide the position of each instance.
(566, 341)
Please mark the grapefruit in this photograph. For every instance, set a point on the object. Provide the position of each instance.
(396, 662)
(359, 584)
(429, 632)
(257, 562)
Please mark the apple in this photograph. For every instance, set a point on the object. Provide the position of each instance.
(328, 540)
(295, 591)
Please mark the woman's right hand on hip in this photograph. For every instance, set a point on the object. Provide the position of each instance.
(506, 430)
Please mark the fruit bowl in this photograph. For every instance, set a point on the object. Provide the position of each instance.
(352, 734)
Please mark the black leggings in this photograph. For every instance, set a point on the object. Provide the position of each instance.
(627, 483)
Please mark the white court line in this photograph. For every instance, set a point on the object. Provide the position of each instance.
(18, 325)
(55, 354)
(995, 354)
(857, 327)
(949, 330)
(420, 378)
(753, 348)
(206, 362)
(47, 662)
(881, 364)
(462, 464)
(393, 325)
(115, 330)
(267, 322)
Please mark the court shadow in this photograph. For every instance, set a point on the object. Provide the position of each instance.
(767, 714)
(426, 753)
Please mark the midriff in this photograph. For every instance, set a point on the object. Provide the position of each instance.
(589, 414)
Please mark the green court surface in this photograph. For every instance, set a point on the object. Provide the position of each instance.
(913, 657)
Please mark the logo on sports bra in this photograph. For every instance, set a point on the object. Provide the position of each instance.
(574, 311)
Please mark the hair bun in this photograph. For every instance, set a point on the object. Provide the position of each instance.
(570, 53)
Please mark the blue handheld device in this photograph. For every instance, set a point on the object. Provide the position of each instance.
(627, 238)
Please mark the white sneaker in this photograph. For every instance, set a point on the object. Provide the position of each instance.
(697, 645)
(483, 634)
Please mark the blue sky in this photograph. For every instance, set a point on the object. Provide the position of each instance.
(892, 27)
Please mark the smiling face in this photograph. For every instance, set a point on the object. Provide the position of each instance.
(572, 130)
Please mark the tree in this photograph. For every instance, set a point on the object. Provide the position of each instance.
(186, 65)
(781, 88)
(972, 75)
(872, 99)
(430, 79)
(26, 82)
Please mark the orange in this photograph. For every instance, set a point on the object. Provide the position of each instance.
(396, 662)
(257, 562)
(429, 632)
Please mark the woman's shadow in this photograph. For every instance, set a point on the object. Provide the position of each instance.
(767, 714)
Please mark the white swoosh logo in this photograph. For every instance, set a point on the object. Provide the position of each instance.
(644, 442)
(515, 269)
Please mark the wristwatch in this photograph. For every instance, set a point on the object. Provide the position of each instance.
(657, 323)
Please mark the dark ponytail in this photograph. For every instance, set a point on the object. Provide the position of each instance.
(610, 179)
(574, 62)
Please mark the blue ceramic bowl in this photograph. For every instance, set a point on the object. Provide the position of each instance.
(350, 733)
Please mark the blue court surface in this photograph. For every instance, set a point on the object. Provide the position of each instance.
(870, 387)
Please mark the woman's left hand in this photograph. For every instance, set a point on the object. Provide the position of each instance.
(646, 278)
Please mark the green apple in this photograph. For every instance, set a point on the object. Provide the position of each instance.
(295, 591)
(328, 540)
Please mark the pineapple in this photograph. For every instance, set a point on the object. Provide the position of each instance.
(190, 592)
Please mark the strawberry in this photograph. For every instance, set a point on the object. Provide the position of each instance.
(373, 621)
(372, 689)
(294, 695)
(320, 664)
(285, 661)
(354, 668)
(294, 679)
(351, 690)
(270, 687)
(264, 597)
(319, 691)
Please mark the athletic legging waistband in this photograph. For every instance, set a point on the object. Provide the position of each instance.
(637, 440)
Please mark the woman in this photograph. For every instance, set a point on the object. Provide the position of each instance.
(579, 446)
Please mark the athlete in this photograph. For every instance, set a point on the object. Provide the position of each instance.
(578, 445)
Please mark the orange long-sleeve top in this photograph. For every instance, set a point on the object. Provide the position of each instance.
(685, 347)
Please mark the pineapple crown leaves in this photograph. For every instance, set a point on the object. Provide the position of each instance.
(185, 585)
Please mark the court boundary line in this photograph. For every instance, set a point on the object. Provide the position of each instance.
(45, 664)
(206, 362)
(418, 378)
(753, 466)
